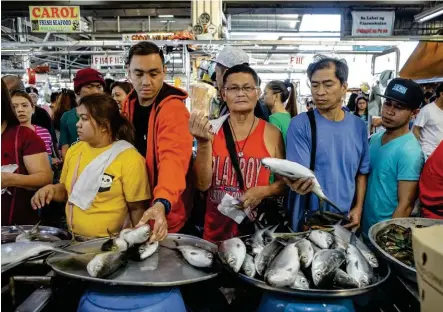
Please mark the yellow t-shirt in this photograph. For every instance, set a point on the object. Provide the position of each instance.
(125, 180)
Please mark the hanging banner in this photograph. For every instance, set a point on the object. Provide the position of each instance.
(148, 36)
(372, 23)
(55, 18)
(107, 60)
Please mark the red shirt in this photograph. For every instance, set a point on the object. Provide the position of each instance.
(28, 143)
(431, 180)
(219, 227)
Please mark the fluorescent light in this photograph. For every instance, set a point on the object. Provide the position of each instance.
(165, 16)
(429, 14)
(171, 21)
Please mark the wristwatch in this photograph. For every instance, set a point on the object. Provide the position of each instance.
(166, 203)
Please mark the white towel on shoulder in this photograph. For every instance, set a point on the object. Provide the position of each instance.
(88, 183)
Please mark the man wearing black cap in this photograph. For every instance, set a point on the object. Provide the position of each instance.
(396, 157)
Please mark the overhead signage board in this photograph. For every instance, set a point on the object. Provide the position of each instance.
(372, 23)
(296, 61)
(55, 18)
(148, 36)
(107, 60)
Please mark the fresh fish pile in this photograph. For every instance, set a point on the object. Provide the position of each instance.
(396, 240)
(318, 259)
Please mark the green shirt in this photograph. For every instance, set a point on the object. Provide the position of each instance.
(281, 121)
(68, 127)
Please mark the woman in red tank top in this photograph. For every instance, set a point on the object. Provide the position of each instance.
(253, 138)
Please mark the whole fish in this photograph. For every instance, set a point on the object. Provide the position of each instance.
(198, 257)
(17, 252)
(264, 258)
(339, 243)
(269, 233)
(283, 269)
(344, 280)
(233, 252)
(293, 171)
(306, 252)
(358, 267)
(115, 244)
(106, 263)
(136, 236)
(34, 234)
(316, 248)
(324, 265)
(256, 241)
(248, 266)
(345, 235)
(301, 282)
(322, 239)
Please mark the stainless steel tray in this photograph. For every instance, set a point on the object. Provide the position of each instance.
(9, 233)
(398, 266)
(164, 268)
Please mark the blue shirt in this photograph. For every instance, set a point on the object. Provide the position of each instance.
(399, 160)
(342, 154)
(68, 127)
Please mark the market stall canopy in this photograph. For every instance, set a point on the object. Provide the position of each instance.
(425, 63)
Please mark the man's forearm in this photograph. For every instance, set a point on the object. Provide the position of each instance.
(403, 211)
(275, 189)
(362, 182)
(60, 193)
(203, 165)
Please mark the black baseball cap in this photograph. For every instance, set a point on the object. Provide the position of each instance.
(404, 91)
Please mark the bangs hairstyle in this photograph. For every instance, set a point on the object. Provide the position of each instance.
(8, 114)
(241, 68)
(104, 110)
(124, 85)
(323, 62)
(145, 48)
(20, 93)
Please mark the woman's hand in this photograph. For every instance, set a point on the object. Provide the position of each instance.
(7, 179)
(156, 213)
(43, 197)
(199, 126)
(254, 196)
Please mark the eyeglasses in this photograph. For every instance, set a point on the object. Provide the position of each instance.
(236, 90)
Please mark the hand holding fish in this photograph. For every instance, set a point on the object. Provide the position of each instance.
(301, 186)
(253, 197)
(199, 126)
(355, 217)
(156, 213)
(43, 197)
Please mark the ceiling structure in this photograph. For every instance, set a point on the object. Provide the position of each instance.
(286, 26)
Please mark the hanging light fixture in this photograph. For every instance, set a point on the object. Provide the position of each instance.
(429, 14)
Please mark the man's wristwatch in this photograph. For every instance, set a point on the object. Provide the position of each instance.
(166, 203)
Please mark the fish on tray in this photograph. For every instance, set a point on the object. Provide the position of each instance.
(283, 269)
(34, 234)
(233, 253)
(357, 266)
(324, 265)
(195, 256)
(106, 263)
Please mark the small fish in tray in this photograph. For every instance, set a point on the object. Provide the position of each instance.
(34, 234)
(397, 241)
(317, 259)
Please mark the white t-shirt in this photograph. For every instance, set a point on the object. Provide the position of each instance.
(430, 119)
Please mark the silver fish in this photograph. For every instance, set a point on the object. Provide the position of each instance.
(115, 244)
(106, 263)
(256, 241)
(306, 252)
(198, 257)
(269, 233)
(233, 252)
(136, 236)
(325, 263)
(248, 266)
(264, 258)
(301, 282)
(344, 280)
(18, 252)
(283, 269)
(293, 171)
(322, 239)
(316, 248)
(147, 249)
(345, 235)
(358, 267)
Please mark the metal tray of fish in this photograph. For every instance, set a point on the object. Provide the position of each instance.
(166, 267)
(401, 268)
(10, 233)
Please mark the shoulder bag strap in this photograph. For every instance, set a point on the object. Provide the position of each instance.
(230, 145)
(313, 125)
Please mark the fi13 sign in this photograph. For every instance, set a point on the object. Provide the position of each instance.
(372, 23)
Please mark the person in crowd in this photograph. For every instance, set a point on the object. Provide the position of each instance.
(54, 96)
(160, 117)
(65, 102)
(428, 126)
(20, 146)
(275, 96)
(254, 139)
(227, 58)
(351, 107)
(99, 202)
(13, 83)
(396, 157)
(428, 95)
(120, 91)
(309, 105)
(341, 164)
(431, 185)
(87, 81)
(361, 110)
(108, 83)
(24, 108)
(33, 94)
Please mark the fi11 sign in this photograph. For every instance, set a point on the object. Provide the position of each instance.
(372, 23)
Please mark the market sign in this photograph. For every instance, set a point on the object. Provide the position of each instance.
(296, 60)
(55, 18)
(148, 36)
(107, 60)
(372, 23)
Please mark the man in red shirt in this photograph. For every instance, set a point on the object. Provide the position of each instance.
(431, 185)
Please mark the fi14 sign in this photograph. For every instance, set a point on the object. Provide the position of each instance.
(55, 18)
(107, 60)
(372, 23)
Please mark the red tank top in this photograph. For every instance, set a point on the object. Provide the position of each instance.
(219, 227)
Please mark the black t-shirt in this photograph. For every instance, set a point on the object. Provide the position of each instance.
(140, 121)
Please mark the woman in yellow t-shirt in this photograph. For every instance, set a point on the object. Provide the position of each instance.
(104, 200)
